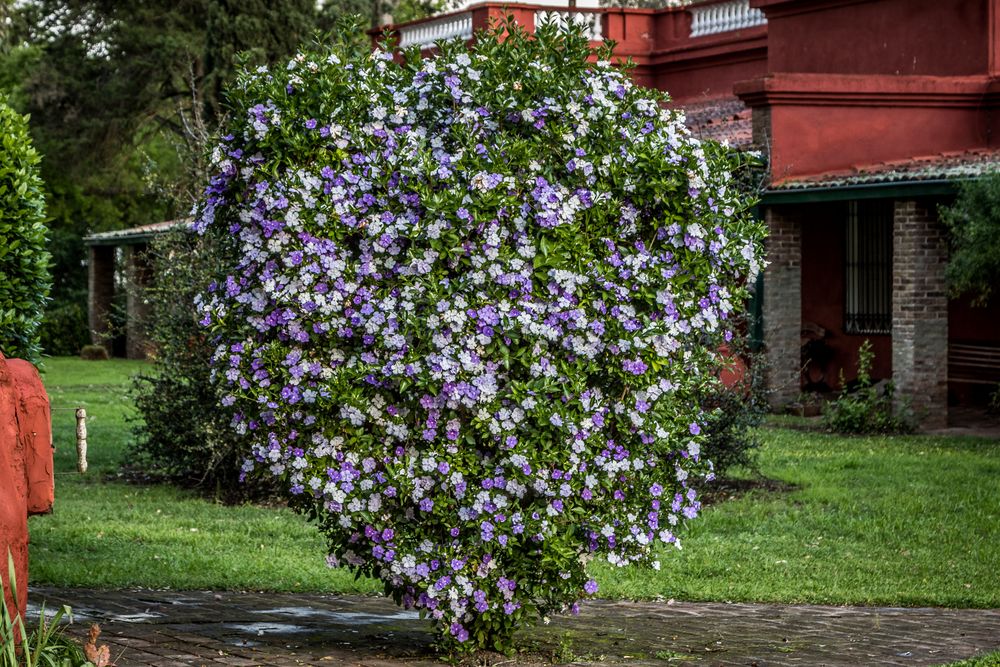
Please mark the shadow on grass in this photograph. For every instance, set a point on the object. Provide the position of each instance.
(731, 489)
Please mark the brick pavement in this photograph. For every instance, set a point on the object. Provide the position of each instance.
(157, 629)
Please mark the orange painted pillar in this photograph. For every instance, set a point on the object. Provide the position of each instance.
(734, 369)
(26, 472)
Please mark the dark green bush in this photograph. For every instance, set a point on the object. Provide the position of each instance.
(973, 222)
(182, 436)
(64, 329)
(866, 408)
(731, 437)
(24, 272)
(94, 353)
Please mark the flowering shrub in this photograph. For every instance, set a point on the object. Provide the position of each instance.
(475, 297)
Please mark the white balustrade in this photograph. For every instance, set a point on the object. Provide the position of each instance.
(428, 33)
(593, 28)
(724, 17)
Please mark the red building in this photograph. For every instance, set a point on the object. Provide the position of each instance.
(868, 112)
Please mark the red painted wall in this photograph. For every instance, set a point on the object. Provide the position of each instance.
(833, 123)
(696, 75)
(935, 37)
(26, 480)
(857, 83)
(823, 230)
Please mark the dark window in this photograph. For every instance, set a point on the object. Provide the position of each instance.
(868, 268)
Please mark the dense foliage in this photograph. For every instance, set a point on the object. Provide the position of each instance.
(866, 407)
(476, 301)
(124, 97)
(181, 435)
(974, 222)
(733, 415)
(24, 270)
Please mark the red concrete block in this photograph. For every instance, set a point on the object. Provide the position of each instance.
(26, 472)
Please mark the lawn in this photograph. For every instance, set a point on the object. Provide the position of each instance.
(888, 521)
(108, 534)
(991, 659)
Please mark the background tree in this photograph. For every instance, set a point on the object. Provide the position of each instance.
(974, 223)
(124, 97)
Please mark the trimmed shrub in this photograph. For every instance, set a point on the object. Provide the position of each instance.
(476, 301)
(24, 269)
(94, 353)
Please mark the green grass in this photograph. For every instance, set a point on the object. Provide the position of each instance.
(110, 534)
(887, 521)
(101, 387)
(890, 521)
(985, 660)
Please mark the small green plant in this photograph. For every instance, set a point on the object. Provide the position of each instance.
(733, 415)
(564, 652)
(993, 407)
(673, 656)
(45, 646)
(868, 408)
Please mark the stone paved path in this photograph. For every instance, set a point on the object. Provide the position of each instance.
(154, 628)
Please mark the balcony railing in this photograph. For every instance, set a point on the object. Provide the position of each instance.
(634, 30)
(452, 26)
(590, 21)
(724, 17)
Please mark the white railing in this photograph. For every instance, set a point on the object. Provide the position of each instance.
(455, 26)
(723, 17)
(593, 28)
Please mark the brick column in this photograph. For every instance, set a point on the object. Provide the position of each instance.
(783, 305)
(920, 311)
(137, 280)
(101, 292)
(760, 125)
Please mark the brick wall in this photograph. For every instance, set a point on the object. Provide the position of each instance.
(101, 293)
(920, 311)
(783, 304)
(760, 123)
(139, 277)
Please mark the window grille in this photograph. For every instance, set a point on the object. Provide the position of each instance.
(868, 268)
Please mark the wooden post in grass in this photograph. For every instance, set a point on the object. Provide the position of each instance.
(81, 440)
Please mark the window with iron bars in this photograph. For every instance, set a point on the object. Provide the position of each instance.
(868, 268)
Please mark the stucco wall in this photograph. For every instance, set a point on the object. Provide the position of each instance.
(26, 480)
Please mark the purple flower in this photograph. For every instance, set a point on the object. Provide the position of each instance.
(634, 366)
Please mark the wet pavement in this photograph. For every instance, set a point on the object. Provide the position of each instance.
(160, 628)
